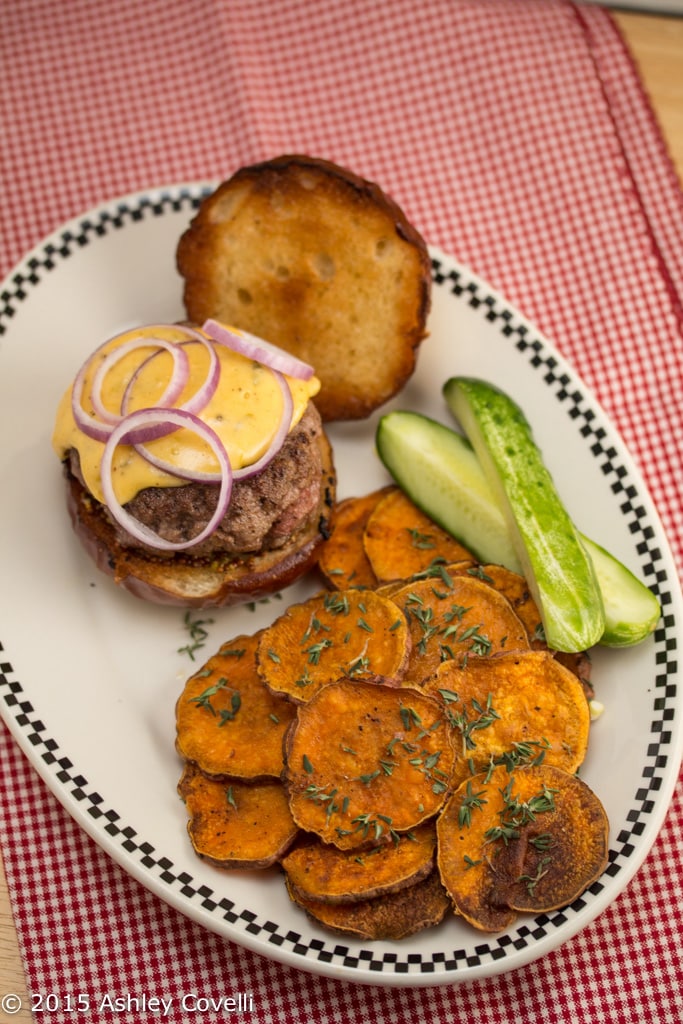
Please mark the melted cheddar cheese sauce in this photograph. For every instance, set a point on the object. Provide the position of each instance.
(245, 412)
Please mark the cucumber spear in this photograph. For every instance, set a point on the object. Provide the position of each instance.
(557, 567)
(439, 471)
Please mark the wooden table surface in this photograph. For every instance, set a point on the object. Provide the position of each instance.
(656, 42)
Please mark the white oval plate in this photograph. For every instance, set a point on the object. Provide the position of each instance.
(90, 675)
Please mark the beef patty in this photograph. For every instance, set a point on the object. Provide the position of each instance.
(264, 511)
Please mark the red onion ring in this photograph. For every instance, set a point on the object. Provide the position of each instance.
(143, 420)
(260, 351)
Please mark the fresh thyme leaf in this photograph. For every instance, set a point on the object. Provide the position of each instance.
(539, 633)
(226, 715)
(422, 541)
(305, 679)
(470, 800)
(233, 652)
(529, 752)
(409, 717)
(485, 717)
(436, 568)
(533, 880)
(542, 842)
(315, 650)
(198, 634)
(457, 611)
(516, 813)
(337, 604)
(479, 573)
(358, 665)
(203, 700)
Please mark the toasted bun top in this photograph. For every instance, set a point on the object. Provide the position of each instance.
(314, 258)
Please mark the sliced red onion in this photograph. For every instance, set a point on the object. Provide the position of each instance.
(144, 420)
(259, 350)
(100, 426)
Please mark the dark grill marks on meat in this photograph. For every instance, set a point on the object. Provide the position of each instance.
(265, 510)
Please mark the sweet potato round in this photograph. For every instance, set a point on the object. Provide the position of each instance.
(516, 589)
(519, 704)
(321, 871)
(391, 917)
(228, 722)
(458, 618)
(364, 762)
(353, 633)
(533, 839)
(236, 825)
(400, 540)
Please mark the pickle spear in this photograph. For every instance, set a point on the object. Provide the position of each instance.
(557, 567)
(438, 470)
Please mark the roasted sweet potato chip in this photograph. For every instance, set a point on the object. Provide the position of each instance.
(228, 722)
(519, 707)
(236, 825)
(365, 762)
(531, 839)
(321, 871)
(456, 617)
(343, 561)
(408, 740)
(400, 540)
(391, 917)
(354, 633)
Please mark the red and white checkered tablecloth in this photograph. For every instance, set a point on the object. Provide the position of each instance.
(517, 137)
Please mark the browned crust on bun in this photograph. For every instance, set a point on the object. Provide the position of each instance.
(195, 583)
(321, 262)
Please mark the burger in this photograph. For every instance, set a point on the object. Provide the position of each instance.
(197, 469)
